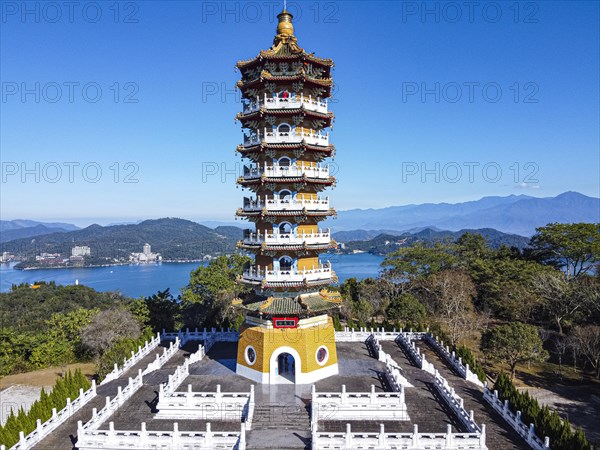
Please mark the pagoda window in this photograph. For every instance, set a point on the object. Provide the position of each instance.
(285, 228)
(284, 162)
(285, 263)
(285, 195)
(284, 128)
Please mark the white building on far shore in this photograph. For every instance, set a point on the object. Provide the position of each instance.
(146, 256)
(82, 250)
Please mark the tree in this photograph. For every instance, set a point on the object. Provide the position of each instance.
(505, 286)
(563, 298)
(164, 311)
(207, 299)
(406, 309)
(418, 261)
(513, 343)
(586, 342)
(108, 327)
(574, 246)
(449, 297)
(471, 247)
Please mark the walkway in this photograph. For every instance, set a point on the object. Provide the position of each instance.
(65, 436)
(499, 435)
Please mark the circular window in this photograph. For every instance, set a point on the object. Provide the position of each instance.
(250, 355)
(322, 355)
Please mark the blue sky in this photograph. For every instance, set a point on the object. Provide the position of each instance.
(124, 111)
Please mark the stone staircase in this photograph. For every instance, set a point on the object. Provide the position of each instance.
(281, 418)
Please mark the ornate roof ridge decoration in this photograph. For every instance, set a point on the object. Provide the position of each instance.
(326, 82)
(285, 46)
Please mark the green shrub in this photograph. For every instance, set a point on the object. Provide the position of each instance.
(469, 358)
(67, 387)
(546, 422)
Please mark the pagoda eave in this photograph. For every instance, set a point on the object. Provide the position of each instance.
(242, 85)
(262, 112)
(260, 181)
(265, 55)
(283, 248)
(263, 147)
(297, 213)
(287, 284)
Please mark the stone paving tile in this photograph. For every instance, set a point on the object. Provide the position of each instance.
(282, 414)
(499, 435)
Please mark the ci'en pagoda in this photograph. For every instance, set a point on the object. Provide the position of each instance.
(287, 335)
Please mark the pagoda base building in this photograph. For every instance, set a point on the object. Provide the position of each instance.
(302, 354)
(287, 335)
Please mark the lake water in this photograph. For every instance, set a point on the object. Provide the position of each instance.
(147, 279)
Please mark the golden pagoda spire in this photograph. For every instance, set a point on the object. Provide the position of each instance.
(285, 26)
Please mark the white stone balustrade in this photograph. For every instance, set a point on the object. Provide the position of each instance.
(212, 406)
(393, 370)
(362, 334)
(405, 339)
(181, 372)
(406, 342)
(165, 440)
(444, 351)
(135, 358)
(58, 418)
(322, 237)
(162, 359)
(256, 273)
(381, 440)
(286, 204)
(514, 420)
(277, 171)
(456, 403)
(208, 337)
(308, 102)
(297, 136)
(123, 394)
(358, 405)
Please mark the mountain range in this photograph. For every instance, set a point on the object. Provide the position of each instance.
(388, 242)
(17, 229)
(515, 214)
(172, 238)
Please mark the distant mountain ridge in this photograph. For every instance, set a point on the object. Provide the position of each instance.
(16, 229)
(516, 214)
(387, 243)
(172, 238)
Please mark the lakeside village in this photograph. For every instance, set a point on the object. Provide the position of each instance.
(82, 256)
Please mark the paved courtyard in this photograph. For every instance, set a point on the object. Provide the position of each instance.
(282, 412)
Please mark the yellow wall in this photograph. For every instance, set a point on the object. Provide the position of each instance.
(308, 263)
(308, 229)
(306, 196)
(306, 163)
(305, 341)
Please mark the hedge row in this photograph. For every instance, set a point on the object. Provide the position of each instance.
(67, 387)
(547, 422)
(469, 358)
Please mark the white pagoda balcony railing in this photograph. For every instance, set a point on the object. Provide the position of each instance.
(322, 237)
(256, 273)
(287, 137)
(309, 103)
(287, 204)
(277, 171)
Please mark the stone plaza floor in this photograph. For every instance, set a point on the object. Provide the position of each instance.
(282, 412)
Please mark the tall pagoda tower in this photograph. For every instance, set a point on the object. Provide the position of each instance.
(287, 335)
